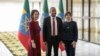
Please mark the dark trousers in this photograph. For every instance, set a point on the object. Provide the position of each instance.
(70, 51)
(53, 42)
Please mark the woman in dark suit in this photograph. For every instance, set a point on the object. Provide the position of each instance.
(70, 34)
(34, 42)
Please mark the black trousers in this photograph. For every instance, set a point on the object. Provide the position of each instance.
(70, 51)
(53, 42)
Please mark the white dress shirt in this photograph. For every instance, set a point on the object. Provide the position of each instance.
(56, 29)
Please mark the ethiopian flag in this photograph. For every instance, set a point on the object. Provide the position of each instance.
(61, 9)
(23, 33)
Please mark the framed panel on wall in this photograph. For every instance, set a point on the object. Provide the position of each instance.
(85, 17)
(77, 15)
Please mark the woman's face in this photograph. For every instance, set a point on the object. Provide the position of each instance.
(35, 15)
(68, 17)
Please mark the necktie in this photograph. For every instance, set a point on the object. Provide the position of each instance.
(53, 26)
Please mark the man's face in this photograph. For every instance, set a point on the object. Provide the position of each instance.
(53, 12)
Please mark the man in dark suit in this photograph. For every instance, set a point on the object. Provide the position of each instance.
(52, 32)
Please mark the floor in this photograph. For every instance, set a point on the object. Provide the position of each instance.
(4, 51)
(83, 49)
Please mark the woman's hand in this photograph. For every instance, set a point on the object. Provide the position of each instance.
(74, 44)
(33, 44)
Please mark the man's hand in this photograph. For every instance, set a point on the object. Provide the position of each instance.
(45, 43)
(62, 44)
(74, 44)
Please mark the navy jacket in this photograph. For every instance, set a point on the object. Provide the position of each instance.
(70, 31)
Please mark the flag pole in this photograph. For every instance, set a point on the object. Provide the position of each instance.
(61, 53)
(45, 13)
(61, 15)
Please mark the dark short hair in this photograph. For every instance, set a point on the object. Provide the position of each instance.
(33, 11)
(52, 8)
(68, 13)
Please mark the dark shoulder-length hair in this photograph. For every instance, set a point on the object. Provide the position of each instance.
(32, 13)
(68, 13)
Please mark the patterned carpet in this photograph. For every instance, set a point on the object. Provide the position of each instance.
(11, 42)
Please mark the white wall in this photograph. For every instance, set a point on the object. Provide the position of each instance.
(11, 12)
(10, 15)
(55, 3)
